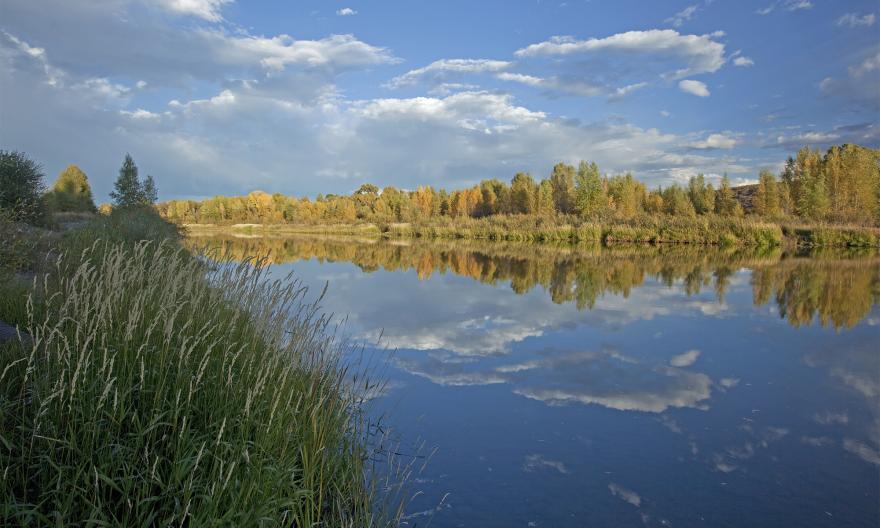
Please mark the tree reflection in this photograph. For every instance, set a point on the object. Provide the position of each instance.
(836, 288)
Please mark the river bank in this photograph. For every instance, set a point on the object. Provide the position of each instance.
(158, 390)
(709, 230)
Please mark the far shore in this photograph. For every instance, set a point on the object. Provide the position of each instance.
(691, 231)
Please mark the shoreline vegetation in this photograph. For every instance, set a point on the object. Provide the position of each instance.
(160, 389)
(817, 200)
(711, 230)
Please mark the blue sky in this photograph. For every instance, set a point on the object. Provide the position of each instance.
(301, 97)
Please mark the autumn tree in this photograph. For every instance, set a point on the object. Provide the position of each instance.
(523, 192)
(562, 184)
(726, 203)
(424, 201)
(767, 201)
(545, 204)
(71, 192)
(627, 196)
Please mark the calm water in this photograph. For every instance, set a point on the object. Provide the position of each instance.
(617, 387)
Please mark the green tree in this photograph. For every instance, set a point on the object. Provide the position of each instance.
(701, 195)
(149, 192)
(127, 188)
(545, 205)
(71, 192)
(523, 193)
(21, 186)
(590, 197)
(676, 202)
(813, 201)
(627, 195)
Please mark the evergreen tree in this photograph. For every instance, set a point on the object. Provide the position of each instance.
(149, 193)
(128, 191)
(702, 196)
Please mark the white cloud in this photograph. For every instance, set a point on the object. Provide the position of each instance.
(346, 11)
(700, 52)
(686, 359)
(855, 20)
(625, 494)
(275, 53)
(530, 80)
(441, 69)
(683, 16)
(665, 113)
(692, 87)
(623, 91)
(743, 61)
(715, 141)
(205, 9)
(787, 5)
(870, 64)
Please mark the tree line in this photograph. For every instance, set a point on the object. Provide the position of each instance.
(843, 185)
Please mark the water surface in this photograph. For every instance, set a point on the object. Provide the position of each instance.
(631, 386)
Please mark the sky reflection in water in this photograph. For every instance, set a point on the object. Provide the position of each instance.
(618, 387)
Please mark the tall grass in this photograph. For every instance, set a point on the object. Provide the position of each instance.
(709, 229)
(158, 391)
(833, 236)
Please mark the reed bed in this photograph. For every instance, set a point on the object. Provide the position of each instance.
(833, 235)
(708, 229)
(159, 391)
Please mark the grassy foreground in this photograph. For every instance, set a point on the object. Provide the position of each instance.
(663, 229)
(158, 391)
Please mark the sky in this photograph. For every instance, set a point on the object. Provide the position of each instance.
(304, 97)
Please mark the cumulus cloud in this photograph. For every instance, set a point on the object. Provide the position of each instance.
(743, 61)
(715, 141)
(693, 87)
(855, 20)
(346, 11)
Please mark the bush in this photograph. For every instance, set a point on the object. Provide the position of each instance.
(21, 187)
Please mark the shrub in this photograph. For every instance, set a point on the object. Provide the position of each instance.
(21, 186)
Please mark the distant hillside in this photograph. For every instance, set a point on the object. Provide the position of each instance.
(746, 195)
